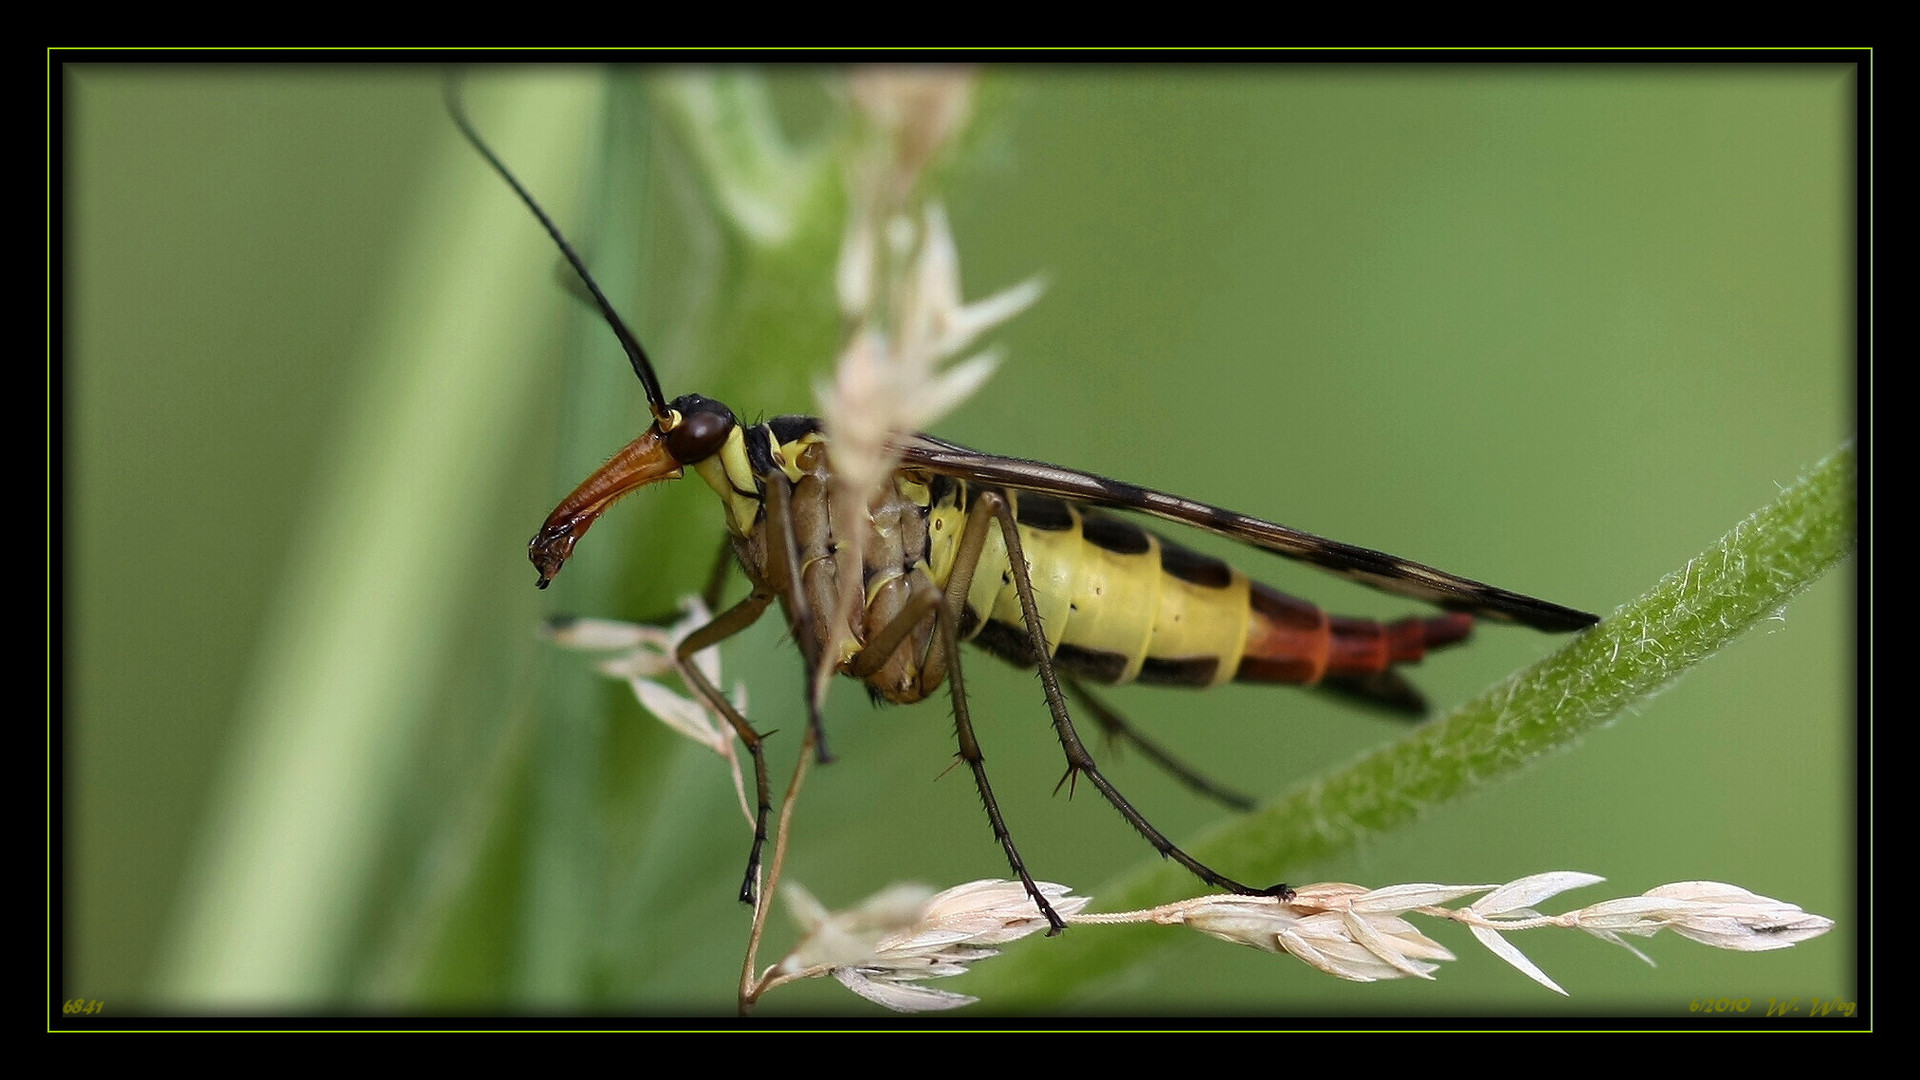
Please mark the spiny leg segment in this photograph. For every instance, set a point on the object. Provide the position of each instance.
(977, 762)
(1079, 761)
(733, 621)
(959, 583)
(725, 625)
(778, 499)
(943, 662)
(1117, 729)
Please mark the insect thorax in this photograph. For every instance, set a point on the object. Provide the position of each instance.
(896, 569)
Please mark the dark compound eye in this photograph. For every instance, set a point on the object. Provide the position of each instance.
(702, 431)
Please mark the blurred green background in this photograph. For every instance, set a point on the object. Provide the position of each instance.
(1557, 328)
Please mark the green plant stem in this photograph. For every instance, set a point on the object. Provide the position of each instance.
(368, 609)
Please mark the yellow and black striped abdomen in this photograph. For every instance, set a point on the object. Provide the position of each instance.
(1117, 603)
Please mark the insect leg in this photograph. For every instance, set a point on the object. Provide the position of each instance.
(1079, 761)
(948, 638)
(1117, 728)
(880, 647)
(966, 560)
(779, 504)
(725, 625)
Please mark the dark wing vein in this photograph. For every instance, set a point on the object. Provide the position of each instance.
(1388, 573)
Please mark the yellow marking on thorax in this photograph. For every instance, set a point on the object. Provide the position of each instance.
(729, 473)
(945, 523)
(787, 455)
(912, 490)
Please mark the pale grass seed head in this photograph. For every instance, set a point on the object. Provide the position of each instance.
(1709, 912)
(898, 282)
(897, 939)
(891, 380)
(912, 114)
(1359, 934)
(884, 948)
(1343, 930)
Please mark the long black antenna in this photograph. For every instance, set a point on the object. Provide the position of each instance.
(636, 355)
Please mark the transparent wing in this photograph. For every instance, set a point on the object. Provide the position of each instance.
(1377, 569)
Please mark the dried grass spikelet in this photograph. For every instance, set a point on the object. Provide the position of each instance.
(1361, 935)
(890, 944)
(898, 283)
